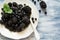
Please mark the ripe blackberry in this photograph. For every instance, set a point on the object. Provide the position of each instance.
(43, 5)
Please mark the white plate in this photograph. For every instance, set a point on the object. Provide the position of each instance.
(14, 35)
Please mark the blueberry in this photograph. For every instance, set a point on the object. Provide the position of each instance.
(33, 21)
(32, 18)
(39, 11)
(35, 2)
(36, 19)
(45, 13)
(24, 4)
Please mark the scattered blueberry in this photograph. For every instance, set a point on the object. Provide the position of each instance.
(35, 2)
(36, 19)
(38, 0)
(45, 13)
(24, 4)
(33, 21)
(39, 11)
(32, 18)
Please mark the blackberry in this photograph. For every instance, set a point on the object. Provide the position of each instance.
(20, 6)
(43, 5)
(24, 4)
(10, 4)
(27, 10)
(15, 4)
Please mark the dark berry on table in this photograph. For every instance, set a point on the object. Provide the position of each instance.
(33, 21)
(35, 2)
(45, 13)
(39, 11)
(24, 4)
(10, 4)
(32, 18)
(43, 5)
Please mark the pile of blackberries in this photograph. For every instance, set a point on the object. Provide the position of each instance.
(19, 19)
